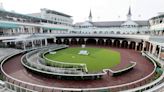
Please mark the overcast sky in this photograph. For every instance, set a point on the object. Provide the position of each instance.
(102, 10)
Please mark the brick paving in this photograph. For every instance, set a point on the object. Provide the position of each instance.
(143, 68)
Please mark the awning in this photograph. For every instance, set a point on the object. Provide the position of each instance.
(8, 25)
(62, 29)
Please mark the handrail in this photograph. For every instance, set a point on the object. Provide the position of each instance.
(74, 89)
(78, 64)
(150, 84)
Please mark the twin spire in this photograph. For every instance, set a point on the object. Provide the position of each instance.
(90, 16)
(129, 15)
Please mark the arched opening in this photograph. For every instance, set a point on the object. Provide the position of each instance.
(50, 40)
(81, 41)
(139, 47)
(132, 45)
(58, 41)
(112, 32)
(100, 32)
(91, 42)
(95, 32)
(163, 32)
(106, 32)
(12, 44)
(147, 46)
(66, 41)
(116, 43)
(157, 50)
(151, 48)
(100, 41)
(124, 44)
(73, 41)
(108, 42)
(118, 32)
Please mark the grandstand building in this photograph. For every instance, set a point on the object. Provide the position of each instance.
(113, 27)
(47, 21)
(36, 34)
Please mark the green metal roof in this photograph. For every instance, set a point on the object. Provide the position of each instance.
(159, 16)
(8, 25)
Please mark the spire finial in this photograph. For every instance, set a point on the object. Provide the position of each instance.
(90, 16)
(129, 14)
(1, 6)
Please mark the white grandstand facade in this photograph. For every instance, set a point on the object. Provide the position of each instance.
(128, 26)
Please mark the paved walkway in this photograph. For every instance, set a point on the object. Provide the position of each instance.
(3, 53)
(143, 68)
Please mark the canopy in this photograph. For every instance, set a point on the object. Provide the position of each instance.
(8, 25)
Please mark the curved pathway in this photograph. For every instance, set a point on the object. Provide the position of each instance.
(143, 68)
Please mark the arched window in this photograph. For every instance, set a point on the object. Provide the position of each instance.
(118, 32)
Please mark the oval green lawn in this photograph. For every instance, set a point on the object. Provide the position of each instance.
(97, 60)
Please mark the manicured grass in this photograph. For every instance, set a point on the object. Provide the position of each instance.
(97, 60)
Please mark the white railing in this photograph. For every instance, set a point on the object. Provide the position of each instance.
(150, 85)
(76, 89)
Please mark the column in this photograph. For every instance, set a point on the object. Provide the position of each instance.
(128, 45)
(112, 42)
(150, 48)
(147, 47)
(46, 42)
(55, 40)
(136, 46)
(120, 43)
(154, 48)
(5, 44)
(24, 45)
(160, 47)
(32, 44)
(143, 46)
(41, 44)
(77, 39)
(70, 41)
(62, 41)
(41, 30)
(104, 42)
(85, 39)
(18, 30)
(96, 41)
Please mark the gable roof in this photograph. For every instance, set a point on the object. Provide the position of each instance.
(114, 23)
(107, 23)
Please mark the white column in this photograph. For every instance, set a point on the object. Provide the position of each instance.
(62, 40)
(41, 44)
(54, 39)
(120, 43)
(112, 42)
(150, 48)
(32, 43)
(5, 44)
(128, 44)
(104, 41)
(69, 40)
(154, 48)
(136, 46)
(18, 30)
(96, 41)
(160, 47)
(143, 46)
(24, 45)
(77, 39)
(46, 42)
(41, 30)
(85, 39)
